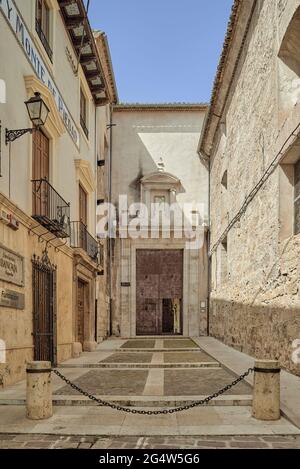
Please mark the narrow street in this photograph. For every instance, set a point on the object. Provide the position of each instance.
(149, 226)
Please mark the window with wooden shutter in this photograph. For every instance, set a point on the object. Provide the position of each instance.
(83, 113)
(40, 171)
(82, 205)
(42, 25)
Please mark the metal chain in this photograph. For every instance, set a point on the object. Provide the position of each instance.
(204, 401)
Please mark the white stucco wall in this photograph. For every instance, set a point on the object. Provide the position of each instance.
(17, 160)
(140, 139)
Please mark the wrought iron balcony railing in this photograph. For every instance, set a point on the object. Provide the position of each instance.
(43, 39)
(81, 238)
(50, 209)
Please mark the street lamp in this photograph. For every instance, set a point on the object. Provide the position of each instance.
(38, 112)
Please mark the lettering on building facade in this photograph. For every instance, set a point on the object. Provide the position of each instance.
(19, 28)
(11, 267)
(12, 299)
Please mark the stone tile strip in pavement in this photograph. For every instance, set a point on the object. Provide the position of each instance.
(238, 362)
(11, 441)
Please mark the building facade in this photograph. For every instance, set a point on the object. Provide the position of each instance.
(50, 264)
(251, 140)
(104, 178)
(159, 283)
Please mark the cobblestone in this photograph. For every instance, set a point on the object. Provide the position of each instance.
(197, 442)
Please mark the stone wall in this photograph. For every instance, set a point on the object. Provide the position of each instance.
(256, 306)
(16, 325)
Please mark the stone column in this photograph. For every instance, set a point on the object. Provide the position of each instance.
(266, 390)
(39, 391)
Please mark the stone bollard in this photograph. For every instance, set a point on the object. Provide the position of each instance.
(266, 390)
(39, 391)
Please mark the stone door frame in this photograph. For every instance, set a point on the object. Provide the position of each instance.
(85, 273)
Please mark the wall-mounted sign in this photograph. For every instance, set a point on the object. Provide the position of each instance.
(12, 299)
(20, 30)
(11, 267)
(125, 284)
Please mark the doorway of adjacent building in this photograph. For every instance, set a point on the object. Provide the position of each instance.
(44, 309)
(81, 309)
(159, 292)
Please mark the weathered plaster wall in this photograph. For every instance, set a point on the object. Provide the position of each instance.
(256, 308)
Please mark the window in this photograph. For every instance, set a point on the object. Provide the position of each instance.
(83, 113)
(289, 49)
(159, 199)
(42, 25)
(224, 262)
(224, 180)
(224, 199)
(297, 198)
(82, 205)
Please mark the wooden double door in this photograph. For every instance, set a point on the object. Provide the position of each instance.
(159, 292)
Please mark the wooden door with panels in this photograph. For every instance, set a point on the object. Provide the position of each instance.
(81, 310)
(159, 291)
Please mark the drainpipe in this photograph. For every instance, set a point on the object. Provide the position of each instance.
(109, 239)
(95, 218)
(208, 257)
(208, 161)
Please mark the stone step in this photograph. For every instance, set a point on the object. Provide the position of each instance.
(152, 402)
(143, 365)
(143, 350)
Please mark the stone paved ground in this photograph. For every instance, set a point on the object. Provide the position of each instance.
(195, 442)
(136, 343)
(179, 343)
(192, 382)
(109, 382)
(187, 357)
(128, 357)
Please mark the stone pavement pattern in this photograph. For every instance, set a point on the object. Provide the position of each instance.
(145, 373)
(10, 441)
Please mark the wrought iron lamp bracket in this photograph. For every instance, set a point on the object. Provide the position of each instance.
(12, 135)
(60, 245)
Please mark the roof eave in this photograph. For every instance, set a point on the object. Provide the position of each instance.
(102, 43)
(241, 14)
(198, 107)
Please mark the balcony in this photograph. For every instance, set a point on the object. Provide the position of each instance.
(81, 238)
(43, 39)
(50, 209)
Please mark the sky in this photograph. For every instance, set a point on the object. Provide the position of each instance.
(163, 50)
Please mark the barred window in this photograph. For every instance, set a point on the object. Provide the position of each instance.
(297, 198)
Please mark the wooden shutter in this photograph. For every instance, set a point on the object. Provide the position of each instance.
(82, 205)
(40, 158)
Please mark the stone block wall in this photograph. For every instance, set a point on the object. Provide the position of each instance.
(256, 307)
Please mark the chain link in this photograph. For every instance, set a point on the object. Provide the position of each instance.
(204, 401)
